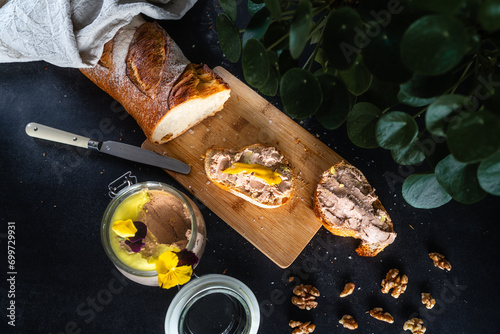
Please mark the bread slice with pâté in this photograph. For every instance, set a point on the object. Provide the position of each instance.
(257, 173)
(347, 206)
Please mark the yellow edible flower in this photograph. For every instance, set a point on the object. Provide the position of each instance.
(169, 274)
(124, 228)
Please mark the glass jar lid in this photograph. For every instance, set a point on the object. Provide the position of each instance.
(213, 304)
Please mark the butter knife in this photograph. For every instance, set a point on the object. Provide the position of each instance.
(121, 150)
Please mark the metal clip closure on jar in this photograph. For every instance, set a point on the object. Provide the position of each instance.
(124, 181)
(213, 304)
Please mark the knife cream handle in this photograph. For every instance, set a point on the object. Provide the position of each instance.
(45, 132)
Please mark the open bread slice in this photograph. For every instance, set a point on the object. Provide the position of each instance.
(347, 206)
(257, 173)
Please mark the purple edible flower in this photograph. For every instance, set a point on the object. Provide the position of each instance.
(186, 258)
(136, 242)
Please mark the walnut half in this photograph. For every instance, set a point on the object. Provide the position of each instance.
(427, 300)
(415, 325)
(348, 322)
(305, 296)
(440, 261)
(301, 328)
(379, 314)
(348, 289)
(395, 283)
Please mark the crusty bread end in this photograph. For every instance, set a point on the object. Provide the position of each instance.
(147, 73)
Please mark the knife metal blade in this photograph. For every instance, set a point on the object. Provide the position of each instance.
(121, 150)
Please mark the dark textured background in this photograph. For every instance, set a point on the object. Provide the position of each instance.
(56, 196)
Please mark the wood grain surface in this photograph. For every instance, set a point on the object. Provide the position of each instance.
(247, 118)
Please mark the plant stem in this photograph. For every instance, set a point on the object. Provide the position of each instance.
(465, 75)
(462, 77)
(421, 112)
(319, 26)
(281, 39)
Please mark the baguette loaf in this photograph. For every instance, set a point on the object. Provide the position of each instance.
(146, 72)
(347, 206)
(257, 173)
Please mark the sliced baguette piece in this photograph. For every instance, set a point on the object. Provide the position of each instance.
(247, 185)
(347, 206)
(147, 73)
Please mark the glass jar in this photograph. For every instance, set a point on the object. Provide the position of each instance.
(213, 304)
(196, 242)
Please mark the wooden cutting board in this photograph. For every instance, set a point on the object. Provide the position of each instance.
(247, 118)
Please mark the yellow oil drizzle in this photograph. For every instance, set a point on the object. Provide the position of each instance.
(262, 172)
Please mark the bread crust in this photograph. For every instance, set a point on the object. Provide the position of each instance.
(365, 248)
(145, 71)
(244, 195)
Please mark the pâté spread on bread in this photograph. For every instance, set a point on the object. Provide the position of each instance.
(147, 73)
(259, 174)
(347, 206)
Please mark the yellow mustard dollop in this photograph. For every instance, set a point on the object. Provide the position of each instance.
(262, 172)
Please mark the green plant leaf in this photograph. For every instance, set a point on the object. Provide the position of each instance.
(413, 101)
(488, 174)
(396, 130)
(257, 26)
(274, 8)
(300, 93)
(229, 38)
(358, 78)
(459, 180)
(438, 114)
(473, 42)
(255, 62)
(255, 6)
(270, 87)
(230, 7)
(468, 12)
(274, 35)
(425, 86)
(300, 28)
(361, 123)
(473, 136)
(321, 59)
(409, 155)
(422, 191)
(492, 97)
(382, 53)
(339, 36)
(332, 112)
(434, 44)
(273, 58)
(441, 6)
(489, 15)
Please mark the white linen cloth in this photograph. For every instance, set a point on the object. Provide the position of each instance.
(72, 33)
